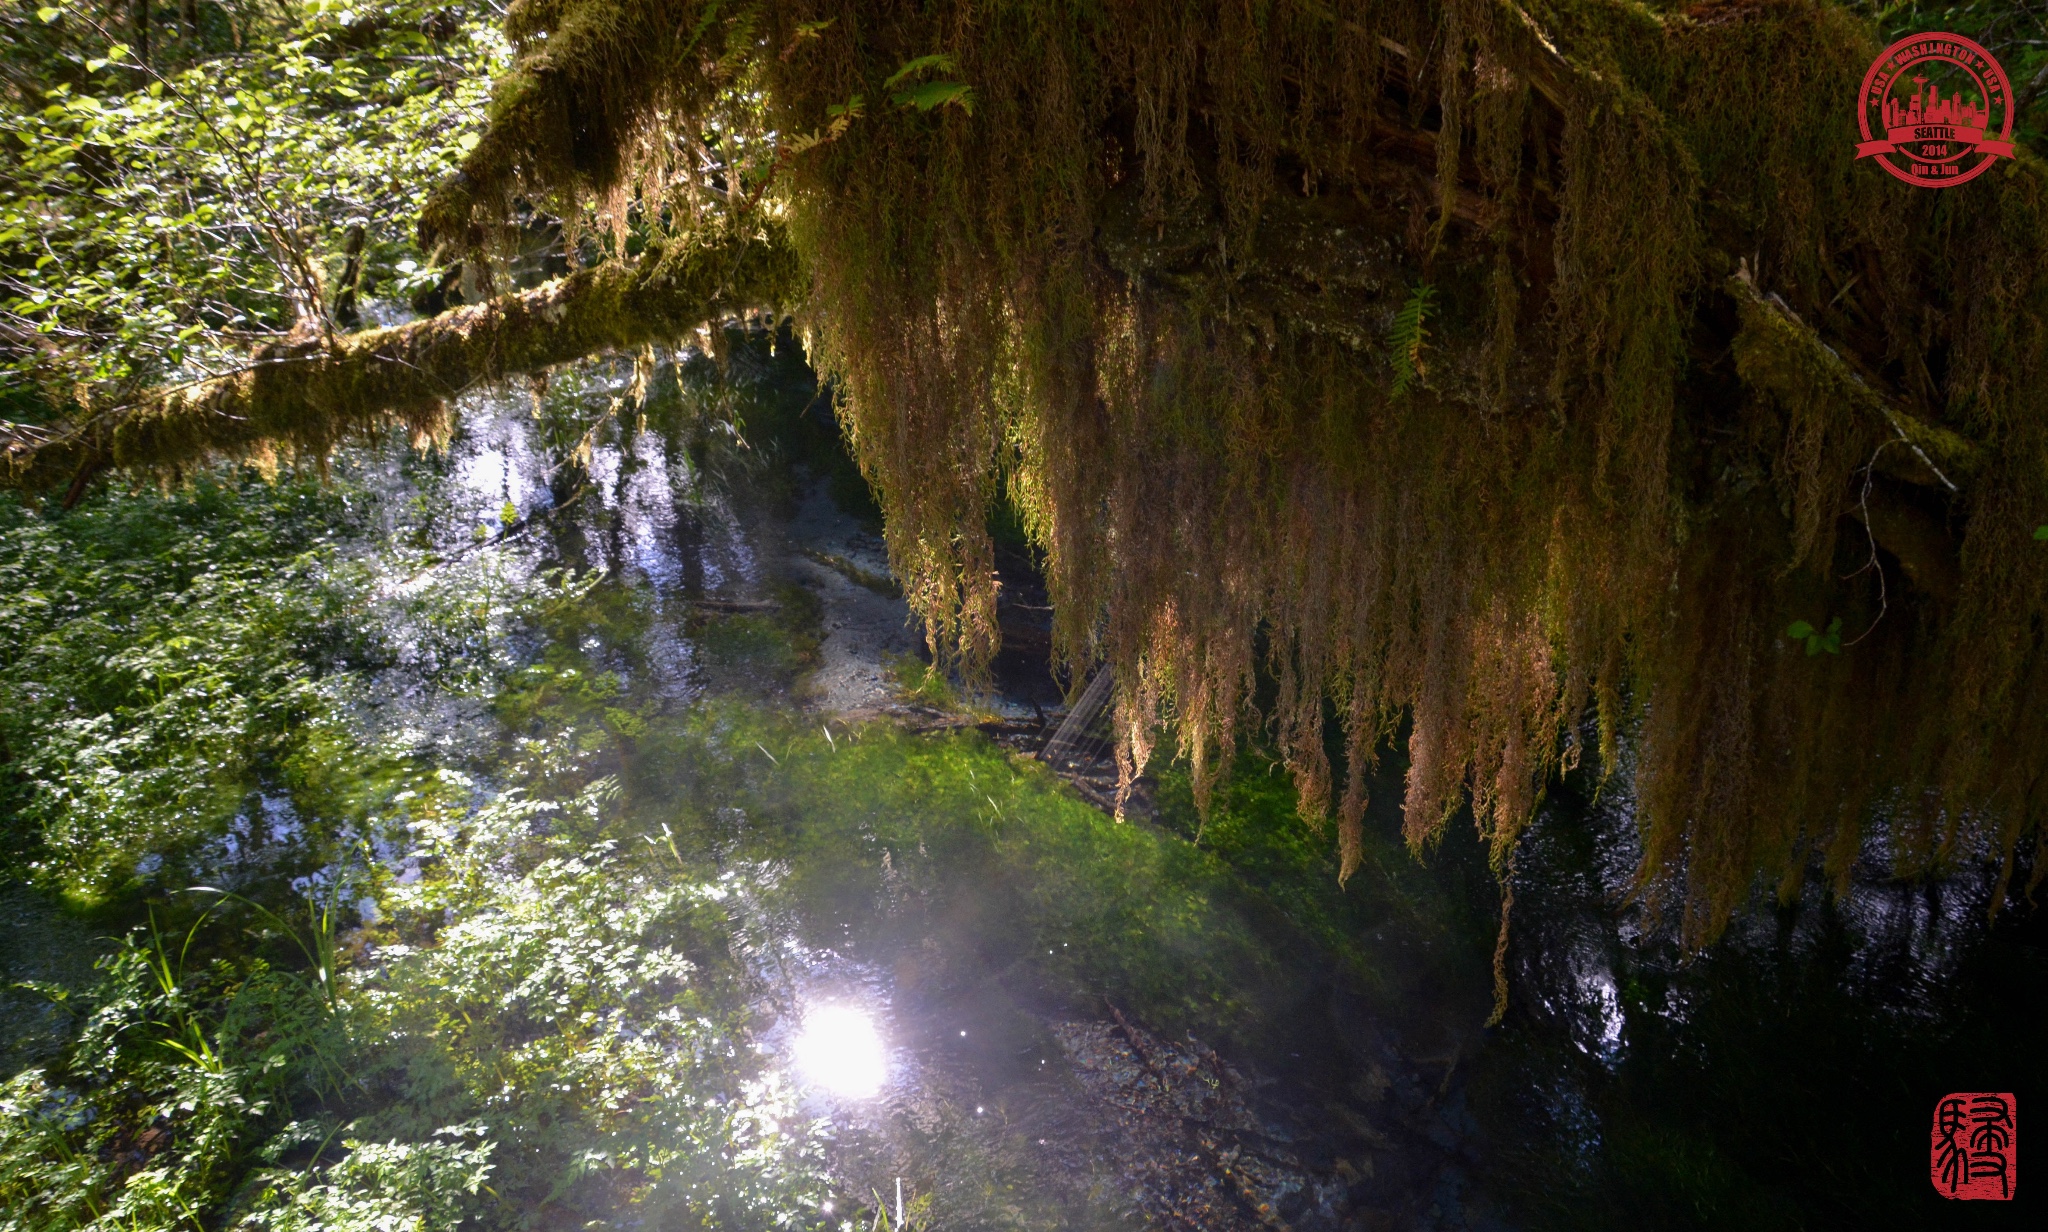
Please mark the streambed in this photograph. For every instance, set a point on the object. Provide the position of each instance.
(1630, 1081)
(1077, 1023)
(1026, 1085)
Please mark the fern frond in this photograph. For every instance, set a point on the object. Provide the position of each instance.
(1410, 334)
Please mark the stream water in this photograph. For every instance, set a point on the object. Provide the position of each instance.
(1344, 1079)
(1000, 1093)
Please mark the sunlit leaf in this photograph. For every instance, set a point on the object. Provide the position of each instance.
(937, 94)
(940, 61)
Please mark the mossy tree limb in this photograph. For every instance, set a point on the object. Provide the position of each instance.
(1777, 351)
(305, 398)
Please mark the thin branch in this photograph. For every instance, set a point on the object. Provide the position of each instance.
(1883, 592)
(290, 254)
(1771, 326)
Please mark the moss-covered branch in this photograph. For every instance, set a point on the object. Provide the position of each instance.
(1777, 351)
(306, 398)
(590, 75)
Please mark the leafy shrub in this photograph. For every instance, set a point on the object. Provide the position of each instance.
(579, 1000)
(378, 1187)
(153, 1113)
(155, 675)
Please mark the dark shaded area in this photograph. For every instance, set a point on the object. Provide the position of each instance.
(1784, 1079)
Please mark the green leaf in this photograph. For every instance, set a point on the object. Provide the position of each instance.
(1799, 631)
(2041, 533)
(48, 14)
(806, 32)
(940, 61)
(1812, 646)
(936, 94)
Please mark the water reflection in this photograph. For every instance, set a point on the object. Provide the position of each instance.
(840, 1050)
(1787, 1068)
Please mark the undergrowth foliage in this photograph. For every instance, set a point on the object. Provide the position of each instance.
(154, 678)
(478, 1007)
(1146, 284)
(545, 1030)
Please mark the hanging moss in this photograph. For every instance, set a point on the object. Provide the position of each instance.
(1691, 375)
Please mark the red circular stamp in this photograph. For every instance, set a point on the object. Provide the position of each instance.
(1936, 110)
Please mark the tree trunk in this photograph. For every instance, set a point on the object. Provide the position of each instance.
(351, 279)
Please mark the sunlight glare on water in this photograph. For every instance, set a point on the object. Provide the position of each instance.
(840, 1050)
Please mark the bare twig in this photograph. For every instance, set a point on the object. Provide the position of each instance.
(1883, 592)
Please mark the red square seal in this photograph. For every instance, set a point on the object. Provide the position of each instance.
(1975, 1146)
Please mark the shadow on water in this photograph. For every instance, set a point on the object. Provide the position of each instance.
(1786, 1078)
(45, 954)
(1032, 1016)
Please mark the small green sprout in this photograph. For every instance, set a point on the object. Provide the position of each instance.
(1818, 640)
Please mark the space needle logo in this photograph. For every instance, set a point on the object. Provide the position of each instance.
(1936, 111)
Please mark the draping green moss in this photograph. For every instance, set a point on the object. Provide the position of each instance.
(1687, 371)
